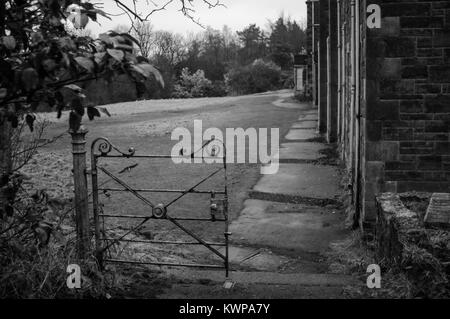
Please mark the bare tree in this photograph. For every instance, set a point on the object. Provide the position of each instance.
(169, 46)
(187, 8)
(143, 32)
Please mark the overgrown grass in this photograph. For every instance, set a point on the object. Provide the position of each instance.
(34, 272)
(420, 274)
(36, 246)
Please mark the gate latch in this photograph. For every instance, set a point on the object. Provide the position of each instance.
(217, 207)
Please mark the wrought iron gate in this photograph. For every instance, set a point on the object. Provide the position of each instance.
(102, 148)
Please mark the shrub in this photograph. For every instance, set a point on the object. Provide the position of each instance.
(218, 88)
(260, 76)
(35, 250)
(192, 85)
(287, 79)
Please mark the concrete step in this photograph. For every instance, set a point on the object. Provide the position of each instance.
(305, 135)
(301, 151)
(306, 180)
(268, 278)
(251, 291)
(305, 125)
(288, 227)
(308, 117)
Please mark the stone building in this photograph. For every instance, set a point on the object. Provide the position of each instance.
(379, 73)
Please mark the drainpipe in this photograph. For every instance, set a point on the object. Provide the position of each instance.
(313, 41)
(357, 115)
(343, 53)
(339, 68)
(352, 89)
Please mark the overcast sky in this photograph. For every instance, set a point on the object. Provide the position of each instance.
(237, 14)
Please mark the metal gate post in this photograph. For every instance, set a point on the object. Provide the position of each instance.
(81, 191)
(95, 206)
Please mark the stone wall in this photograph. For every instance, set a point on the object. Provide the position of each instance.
(406, 246)
(396, 137)
(408, 113)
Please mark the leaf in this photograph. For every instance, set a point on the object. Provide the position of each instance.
(30, 79)
(9, 210)
(86, 63)
(124, 47)
(92, 112)
(74, 121)
(3, 93)
(9, 42)
(51, 101)
(59, 111)
(104, 110)
(29, 119)
(131, 57)
(77, 16)
(34, 105)
(6, 71)
(116, 54)
(77, 106)
(112, 33)
(80, 21)
(43, 231)
(14, 120)
(99, 56)
(49, 65)
(130, 38)
(67, 43)
(36, 38)
(105, 38)
(73, 87)
(102, 13)
(65, 60)
(147, 70)
(142, 59)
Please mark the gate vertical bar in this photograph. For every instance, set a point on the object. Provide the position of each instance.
(227, 239)
(227, 230)
(81, 191)
(94, 178)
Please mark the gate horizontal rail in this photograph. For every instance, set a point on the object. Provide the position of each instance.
(162, 157)
(164, 242)
(119, 261)
(171, 218)
(150, 190)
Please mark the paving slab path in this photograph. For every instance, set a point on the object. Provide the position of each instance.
(292, 214)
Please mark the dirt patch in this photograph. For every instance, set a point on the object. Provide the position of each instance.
(331, 156)
(136, 282)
